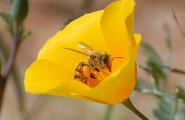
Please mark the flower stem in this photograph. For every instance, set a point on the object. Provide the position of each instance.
(5, 72)
(108, 112)
(129, 105)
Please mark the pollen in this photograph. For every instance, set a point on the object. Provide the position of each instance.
(95, 77)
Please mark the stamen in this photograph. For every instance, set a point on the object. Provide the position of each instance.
(99, 76)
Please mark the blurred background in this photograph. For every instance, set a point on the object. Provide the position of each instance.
(159, 22)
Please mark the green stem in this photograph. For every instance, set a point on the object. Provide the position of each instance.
(16, 78)
(174, 70)
(175, 108)
(129, 105)
(18, 88)
(159, 94)
(5, 72)
(108, 113)
(178, 23)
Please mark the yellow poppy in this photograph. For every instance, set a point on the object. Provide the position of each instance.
(109, 30)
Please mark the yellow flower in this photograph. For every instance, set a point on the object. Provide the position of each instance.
(109, 30)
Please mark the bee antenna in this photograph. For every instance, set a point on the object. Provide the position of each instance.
(116, 58)
(70, 49)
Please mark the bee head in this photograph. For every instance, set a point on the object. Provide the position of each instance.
(100, 60)
(106, 62)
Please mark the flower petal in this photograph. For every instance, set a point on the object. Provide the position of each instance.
(85, 29)
(110, 31)
(117, 27)
(119, 85)
(43, 76)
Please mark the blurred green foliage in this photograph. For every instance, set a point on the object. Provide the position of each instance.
(9, 21)
(181, 93)
(14, 21)
(164, 110)
(23, 33)
(170, 107)
(19, 10)
(177, 22)
(154, 63)
(171, 110)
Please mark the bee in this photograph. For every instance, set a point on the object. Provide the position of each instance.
(95, 68)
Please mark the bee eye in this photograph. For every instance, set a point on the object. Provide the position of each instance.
(105, 60)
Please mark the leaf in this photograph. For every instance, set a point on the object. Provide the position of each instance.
(139, 85)
(20, 10)
(180, 115)
(181, 93)
(171, 109)
(24, 33)
(154, 63)
(9, 21)
(164, 110)
(156, 70)
(150, 51)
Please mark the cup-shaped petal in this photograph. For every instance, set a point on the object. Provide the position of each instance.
(110, 31)
(44, 76)
(117, 27)
(119, 85)
(52, 73)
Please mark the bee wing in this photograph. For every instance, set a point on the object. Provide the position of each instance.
(70, 49)
(85, 47)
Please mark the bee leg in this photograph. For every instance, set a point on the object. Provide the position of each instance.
(93, 76)
(80, 66)
(79, 75)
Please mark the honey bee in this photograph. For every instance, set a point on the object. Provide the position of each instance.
(95, 68)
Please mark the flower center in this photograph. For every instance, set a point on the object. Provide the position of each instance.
(91, 75)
